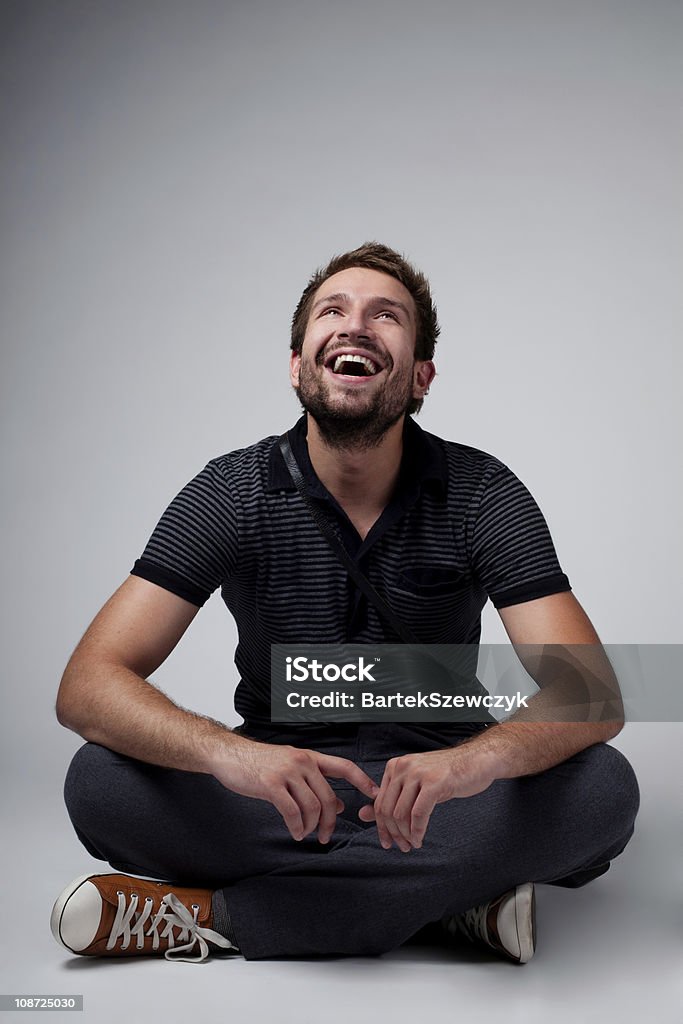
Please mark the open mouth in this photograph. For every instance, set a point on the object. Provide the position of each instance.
(350, 365)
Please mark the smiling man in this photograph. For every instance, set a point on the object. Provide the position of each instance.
(321, 839)
(357, 381)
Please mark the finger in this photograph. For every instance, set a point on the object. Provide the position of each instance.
(290, 811)
(404, 808)
(308, 802)
(342, 768)
(367, 813)
(384, 834)
(327, 802)
(385, 802)
(419, 820)
(387, 826)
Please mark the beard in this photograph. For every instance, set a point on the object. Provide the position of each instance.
(353, 421)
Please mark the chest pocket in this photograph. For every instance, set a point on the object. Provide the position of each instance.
(437, 600)
(431, 580)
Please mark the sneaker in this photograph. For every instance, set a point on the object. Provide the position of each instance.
(119, 915)
(506, 924)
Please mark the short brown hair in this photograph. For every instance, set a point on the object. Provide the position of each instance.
(375, 256)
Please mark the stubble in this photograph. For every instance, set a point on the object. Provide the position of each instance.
(353, 421)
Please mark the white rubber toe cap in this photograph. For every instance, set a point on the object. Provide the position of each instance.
(516, 923)
(76, 915)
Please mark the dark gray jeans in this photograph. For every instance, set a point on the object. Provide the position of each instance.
(285, 898)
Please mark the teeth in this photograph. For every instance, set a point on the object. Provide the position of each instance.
(367, 363)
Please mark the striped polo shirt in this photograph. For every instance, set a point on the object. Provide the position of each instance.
(460, 528)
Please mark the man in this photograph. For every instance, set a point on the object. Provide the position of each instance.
(347, 838)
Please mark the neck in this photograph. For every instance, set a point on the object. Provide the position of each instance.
(358, 478)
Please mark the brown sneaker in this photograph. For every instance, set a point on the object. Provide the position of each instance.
(506, 925)
(119, 915)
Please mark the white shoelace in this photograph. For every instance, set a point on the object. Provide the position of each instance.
(129, 923)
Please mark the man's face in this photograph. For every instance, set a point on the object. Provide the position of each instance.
(357, 374)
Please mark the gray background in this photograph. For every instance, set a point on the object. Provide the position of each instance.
(172, 173)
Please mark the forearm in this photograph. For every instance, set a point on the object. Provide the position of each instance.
(109, 704)
(513, 748)
(414, 783)
(579, 704)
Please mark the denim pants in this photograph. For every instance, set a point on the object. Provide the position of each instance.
(350, 897)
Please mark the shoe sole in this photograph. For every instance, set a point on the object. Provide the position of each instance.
(525, 919)
(58, 910)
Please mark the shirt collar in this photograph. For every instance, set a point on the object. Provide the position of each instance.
(423, 464)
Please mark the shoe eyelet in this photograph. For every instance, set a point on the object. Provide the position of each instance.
(148, 899)
(195, 906)
(119, 892)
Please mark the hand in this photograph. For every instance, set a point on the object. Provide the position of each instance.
(413, 784)
(294, 781)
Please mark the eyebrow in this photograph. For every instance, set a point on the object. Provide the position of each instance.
(376, 300)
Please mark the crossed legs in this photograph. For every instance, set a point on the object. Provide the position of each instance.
(561, 826)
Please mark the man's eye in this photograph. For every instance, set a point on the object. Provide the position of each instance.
(386, 312)
(332, 309)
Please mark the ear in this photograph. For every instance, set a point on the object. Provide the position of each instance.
(294, 368)
(423, 375)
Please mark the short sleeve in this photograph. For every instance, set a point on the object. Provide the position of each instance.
(193, 547)
(512, 552)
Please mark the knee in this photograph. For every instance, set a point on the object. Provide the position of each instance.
(87, 779)
(613, 785)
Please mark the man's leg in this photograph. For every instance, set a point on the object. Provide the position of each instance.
(539, 828)
(168, 824)
(187, 827)
(183, 827)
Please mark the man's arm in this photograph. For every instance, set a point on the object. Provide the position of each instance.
(105, 697)
(531, 741)
(536, 738)
(557, 644)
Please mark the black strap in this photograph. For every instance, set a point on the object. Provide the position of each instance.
(361, 581)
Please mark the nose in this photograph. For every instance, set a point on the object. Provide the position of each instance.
(355, 325)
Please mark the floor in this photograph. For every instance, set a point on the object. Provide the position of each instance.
(610, 951)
